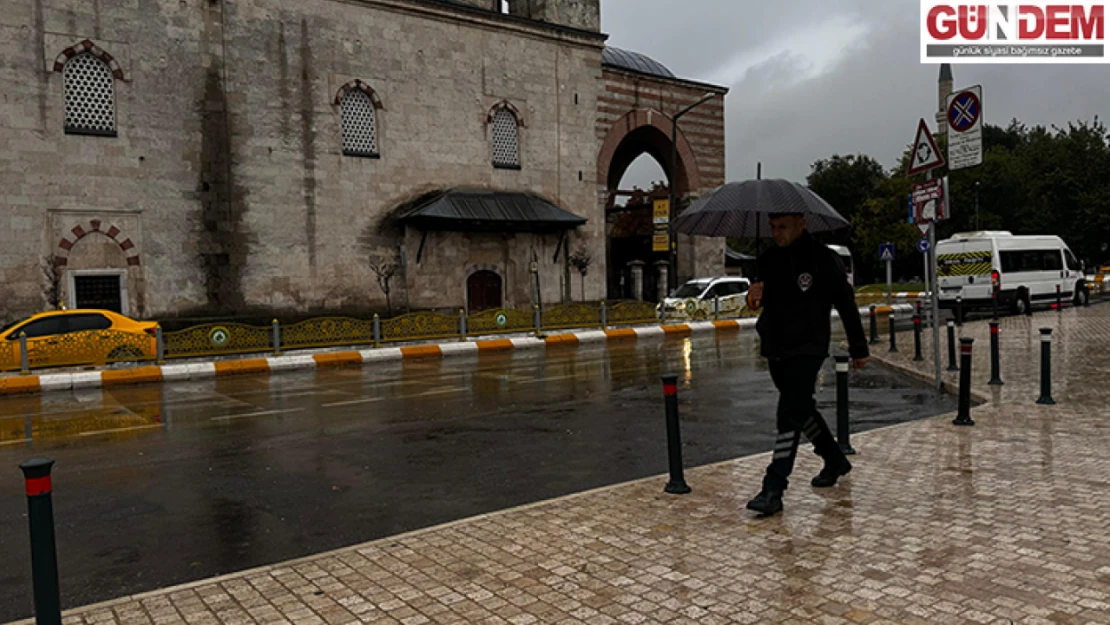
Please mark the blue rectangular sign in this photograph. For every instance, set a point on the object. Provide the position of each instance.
(886, 252)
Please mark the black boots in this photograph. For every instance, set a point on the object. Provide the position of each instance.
(831, 473)
(767, 502)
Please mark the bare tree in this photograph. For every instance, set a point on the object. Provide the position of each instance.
(385, 270)
(52, 274)
(581, 260)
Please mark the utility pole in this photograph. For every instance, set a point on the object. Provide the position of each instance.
(931, 287)
(977, 205)
(672, 243)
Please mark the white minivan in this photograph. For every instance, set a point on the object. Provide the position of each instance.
(1025, 271)
(846, 257)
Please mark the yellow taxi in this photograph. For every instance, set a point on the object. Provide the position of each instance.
(1100, 284)
(77, 337)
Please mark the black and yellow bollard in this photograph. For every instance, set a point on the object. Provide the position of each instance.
(677, 485)
(1046, 368)
(963, 414)
(874, 326)
(44, 556)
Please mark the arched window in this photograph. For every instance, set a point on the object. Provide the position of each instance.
(360, 129)
(90, 96)
(506, 140)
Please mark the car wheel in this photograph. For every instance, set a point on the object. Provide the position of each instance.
(1081, 295)
(1021, 304)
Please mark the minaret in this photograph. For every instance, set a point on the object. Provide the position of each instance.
(943, 91)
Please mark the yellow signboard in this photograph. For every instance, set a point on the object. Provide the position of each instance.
(662, 212)
(661, 241)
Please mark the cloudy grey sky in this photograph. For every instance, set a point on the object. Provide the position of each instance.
(813, 78)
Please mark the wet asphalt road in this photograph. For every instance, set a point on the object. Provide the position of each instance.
(159, 485)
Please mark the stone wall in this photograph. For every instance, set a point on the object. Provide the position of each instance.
(227, 171)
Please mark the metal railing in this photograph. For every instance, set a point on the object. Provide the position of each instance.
(228, 338)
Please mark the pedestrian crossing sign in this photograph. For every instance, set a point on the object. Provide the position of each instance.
(886, 252)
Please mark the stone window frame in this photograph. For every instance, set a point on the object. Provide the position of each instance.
(507, 106)
(376, 101)
(121, 274)
(90, 48)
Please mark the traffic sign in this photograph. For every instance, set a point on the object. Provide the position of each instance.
(925, 155)
(929, 202)
(886, 252)
(923, 245)
(662, 212)
(965, 126)
(661, 242)
(928, 191)
(661, 219)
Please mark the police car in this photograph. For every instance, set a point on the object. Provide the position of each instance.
(695, 299)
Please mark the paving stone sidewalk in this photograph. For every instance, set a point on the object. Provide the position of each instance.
(1004, 522)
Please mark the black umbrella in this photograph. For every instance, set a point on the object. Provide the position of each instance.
(740, 209)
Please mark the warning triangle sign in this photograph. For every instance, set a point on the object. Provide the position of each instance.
(926, 155)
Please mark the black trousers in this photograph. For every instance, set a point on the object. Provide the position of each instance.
(796, 381)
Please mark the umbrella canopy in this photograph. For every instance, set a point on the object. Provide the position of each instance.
(741, 209)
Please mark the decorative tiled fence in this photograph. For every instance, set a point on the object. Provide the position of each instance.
(230, 338)
(216, 339)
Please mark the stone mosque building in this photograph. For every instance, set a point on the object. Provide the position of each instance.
(220, 157)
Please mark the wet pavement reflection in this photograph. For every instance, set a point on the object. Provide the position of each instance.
(159, 485)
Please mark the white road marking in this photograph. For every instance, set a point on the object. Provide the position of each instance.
(264, 413)
(19, 442)
(442, 391)
(115, 430)
(353, 402)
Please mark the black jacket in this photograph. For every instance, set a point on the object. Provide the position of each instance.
(801, 285)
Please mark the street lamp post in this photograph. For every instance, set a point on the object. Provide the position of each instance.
(672, 252)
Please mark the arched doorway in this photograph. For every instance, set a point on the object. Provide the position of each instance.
(483, 291)
(629, 215)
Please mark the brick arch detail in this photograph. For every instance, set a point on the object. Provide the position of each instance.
(80, 231)
(358, 84)
(505, 104)
(88, 47)
(636, 119)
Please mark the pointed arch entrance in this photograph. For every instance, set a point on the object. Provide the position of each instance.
(629, 242)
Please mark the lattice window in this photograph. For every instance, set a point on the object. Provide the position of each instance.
(90, 96)
(506, 145)
(360, 131)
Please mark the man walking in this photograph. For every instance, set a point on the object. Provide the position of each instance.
(800, 280)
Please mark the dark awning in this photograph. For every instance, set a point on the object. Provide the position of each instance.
(476, 210)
